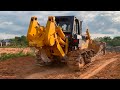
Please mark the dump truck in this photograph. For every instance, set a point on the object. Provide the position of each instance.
(61, 40)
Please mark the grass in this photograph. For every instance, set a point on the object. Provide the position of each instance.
(5, 56)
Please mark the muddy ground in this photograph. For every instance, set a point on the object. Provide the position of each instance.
(104, 67)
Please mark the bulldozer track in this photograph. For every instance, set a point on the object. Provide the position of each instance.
(75, 60)
(78, 59)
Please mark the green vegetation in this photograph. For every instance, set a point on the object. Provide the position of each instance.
(110, 42)
(5, 56)
(19, 42)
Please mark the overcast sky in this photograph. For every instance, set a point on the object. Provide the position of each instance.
(100, 23)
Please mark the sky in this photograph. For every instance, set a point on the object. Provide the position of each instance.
(100, 23)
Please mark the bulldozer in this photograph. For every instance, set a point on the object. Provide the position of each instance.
(61, 40)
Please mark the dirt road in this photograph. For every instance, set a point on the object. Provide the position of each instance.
(25, 68)
(96, 69)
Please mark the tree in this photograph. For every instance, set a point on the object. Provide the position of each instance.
(110, 42)
(19, 41)
(116, 38)
(106, 39)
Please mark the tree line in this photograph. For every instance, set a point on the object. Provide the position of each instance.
(19, 41)
(110, 41)
(22, 41)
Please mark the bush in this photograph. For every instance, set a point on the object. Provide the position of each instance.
(110, 42)
(5, 56)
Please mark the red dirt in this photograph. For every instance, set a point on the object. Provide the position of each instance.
(111, 71)
(25, 68)
(16, 68)
(14, 50)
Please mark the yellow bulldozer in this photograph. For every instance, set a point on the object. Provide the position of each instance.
(61, 40)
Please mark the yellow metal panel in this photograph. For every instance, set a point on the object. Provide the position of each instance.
(51, 37)
(61, 52)
(66, 46)
(60, 32)
(88, 34)
(51, 40)
(58, 50)
(49, 32)
(61, 41)
(39, 43)
(32, 29)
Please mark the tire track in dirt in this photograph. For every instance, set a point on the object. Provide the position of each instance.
(60, 73)
(25, 68)
(96, 69)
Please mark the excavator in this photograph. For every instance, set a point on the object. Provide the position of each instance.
(61, 40)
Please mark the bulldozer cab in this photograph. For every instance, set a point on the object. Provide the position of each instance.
(70, 24)
(72, 28)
